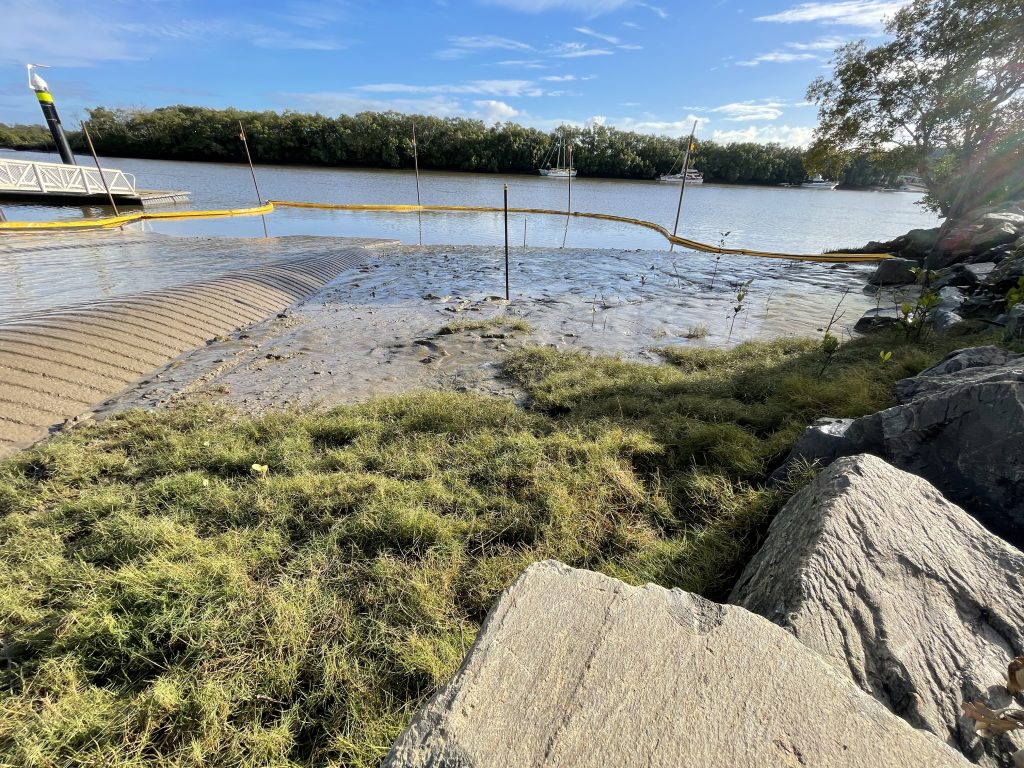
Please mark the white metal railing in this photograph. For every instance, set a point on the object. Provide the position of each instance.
(27, 176)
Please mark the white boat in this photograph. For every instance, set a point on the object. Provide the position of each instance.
(563, 161)
(908, 182)
(817, 182)
(692, 176)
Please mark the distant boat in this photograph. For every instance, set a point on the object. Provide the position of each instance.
(563, 161)
(817, 182)
(908, 182)
(692, 176)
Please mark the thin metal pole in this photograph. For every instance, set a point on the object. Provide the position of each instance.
(96, 160)
(416, 165)
(252, 170)
(682, 187)
(568, 208)
(525, 217)
(506, 243)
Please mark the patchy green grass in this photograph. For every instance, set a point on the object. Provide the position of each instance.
(163, 602)
(499, 324)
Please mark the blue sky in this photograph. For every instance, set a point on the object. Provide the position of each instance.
(738, 67)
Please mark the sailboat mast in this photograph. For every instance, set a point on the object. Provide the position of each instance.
(682, 187)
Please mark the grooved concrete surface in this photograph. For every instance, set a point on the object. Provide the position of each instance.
(56, 364)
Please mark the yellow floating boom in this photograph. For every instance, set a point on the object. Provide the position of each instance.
(117, 221)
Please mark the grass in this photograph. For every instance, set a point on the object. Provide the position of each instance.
(499, 323)
(162, 602)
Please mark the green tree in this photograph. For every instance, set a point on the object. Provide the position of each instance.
(944, 96)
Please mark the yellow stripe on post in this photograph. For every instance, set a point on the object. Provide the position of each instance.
(44, 97)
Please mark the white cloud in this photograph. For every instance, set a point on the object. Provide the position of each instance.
(473, 87)
(591, 33)
(524, 63)
(777, 57)
(332, 103)
(854, 13)
(751, 110)
(467, 44)
(590, 7)
(559, 78)
(577, 51)
(674, 128)
(821, 44)
(789, 136)
(492, 111)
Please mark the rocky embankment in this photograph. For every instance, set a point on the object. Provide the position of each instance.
(973, 266)
(880, 624)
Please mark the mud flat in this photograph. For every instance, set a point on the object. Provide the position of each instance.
(378, 329)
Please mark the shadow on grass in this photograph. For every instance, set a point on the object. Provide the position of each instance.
(162, 599)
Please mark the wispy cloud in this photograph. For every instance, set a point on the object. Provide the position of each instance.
(467, 44)
(854, 13)
(506, 88)
(590, 32)
(777, 57)
(559, 78)
(590, 7)
(750, 110)
(821, 44)
(578, 50)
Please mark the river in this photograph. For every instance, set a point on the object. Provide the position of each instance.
(37, 270)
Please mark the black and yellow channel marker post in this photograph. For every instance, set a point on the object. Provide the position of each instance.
(37, 84)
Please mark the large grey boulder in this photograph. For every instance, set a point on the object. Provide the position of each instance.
(959, 426)
(573, 668)
(902, 590)
(894, 272)
(973, 365)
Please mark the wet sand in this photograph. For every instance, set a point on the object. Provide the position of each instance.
(375, 330)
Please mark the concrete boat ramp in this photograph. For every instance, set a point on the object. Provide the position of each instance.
(55, 365)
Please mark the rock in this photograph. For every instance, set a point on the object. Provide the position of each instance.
(824, 441)
(962, 242)
(977, 272)
(574, 668)
(967, 441)
(877, 319)
(950, 298)
(1015, 323)
(994, 255)
(964, 359)
(1007, 274)
(872, 568)
(894, 272)
(916, 244)
(944, 319)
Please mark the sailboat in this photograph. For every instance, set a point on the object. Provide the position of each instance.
(563, 161)
(686, 174)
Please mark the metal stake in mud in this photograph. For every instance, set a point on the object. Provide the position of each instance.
(682, 186)
(252, 170)
(96, 160)
(568, 205)
(506, 242)
(416, 166)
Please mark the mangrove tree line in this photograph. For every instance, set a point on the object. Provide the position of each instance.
(384, 140)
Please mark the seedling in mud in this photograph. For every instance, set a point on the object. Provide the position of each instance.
(718, 258)
(1015, 295)
(741, 294)
(829, 342)
(884, 357)
(698, 331)
(913, 315)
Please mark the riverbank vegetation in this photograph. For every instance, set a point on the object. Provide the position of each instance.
(196, 586)
(944, 95)
(384, 140)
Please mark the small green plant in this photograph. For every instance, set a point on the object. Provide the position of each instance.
(829, 342)
(698, 331)
(913, 315)
(718, 258)
(884, 357)
(741, 294)
(1015, 295)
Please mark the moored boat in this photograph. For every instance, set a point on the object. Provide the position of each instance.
(692, 176)
(817, 182)
(563, 161)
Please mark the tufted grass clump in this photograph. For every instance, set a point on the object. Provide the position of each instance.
(195, 586)
(497, 324)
